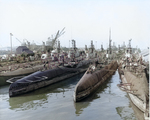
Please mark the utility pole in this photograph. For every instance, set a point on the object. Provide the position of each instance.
(11, 41)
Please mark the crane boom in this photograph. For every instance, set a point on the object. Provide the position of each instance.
(58, 34)
(19, 40)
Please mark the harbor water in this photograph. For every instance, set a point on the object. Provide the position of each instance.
(55, 102)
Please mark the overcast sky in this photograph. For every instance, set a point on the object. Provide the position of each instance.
(84, 20)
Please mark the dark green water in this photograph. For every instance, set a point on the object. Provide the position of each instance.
(55, 102)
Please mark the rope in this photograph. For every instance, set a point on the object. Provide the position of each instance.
(123, 88)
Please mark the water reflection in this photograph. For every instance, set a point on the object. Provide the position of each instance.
(124, 114)
(3, 80)
(125, 111)
(80, 107)
(27, 102)
(38, 98)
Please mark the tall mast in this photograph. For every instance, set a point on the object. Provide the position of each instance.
(109, 33)
(110, 41)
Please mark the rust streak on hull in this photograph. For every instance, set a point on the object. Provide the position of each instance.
(91, 81)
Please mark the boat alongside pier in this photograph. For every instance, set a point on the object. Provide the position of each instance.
(135, 83)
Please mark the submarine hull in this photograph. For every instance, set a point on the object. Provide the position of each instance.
(91, 81)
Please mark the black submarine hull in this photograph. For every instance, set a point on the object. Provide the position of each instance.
(41, 79)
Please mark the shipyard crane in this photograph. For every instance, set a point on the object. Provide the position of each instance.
(19, 40)
(28, 43)
(22, 43)
(58, 34)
